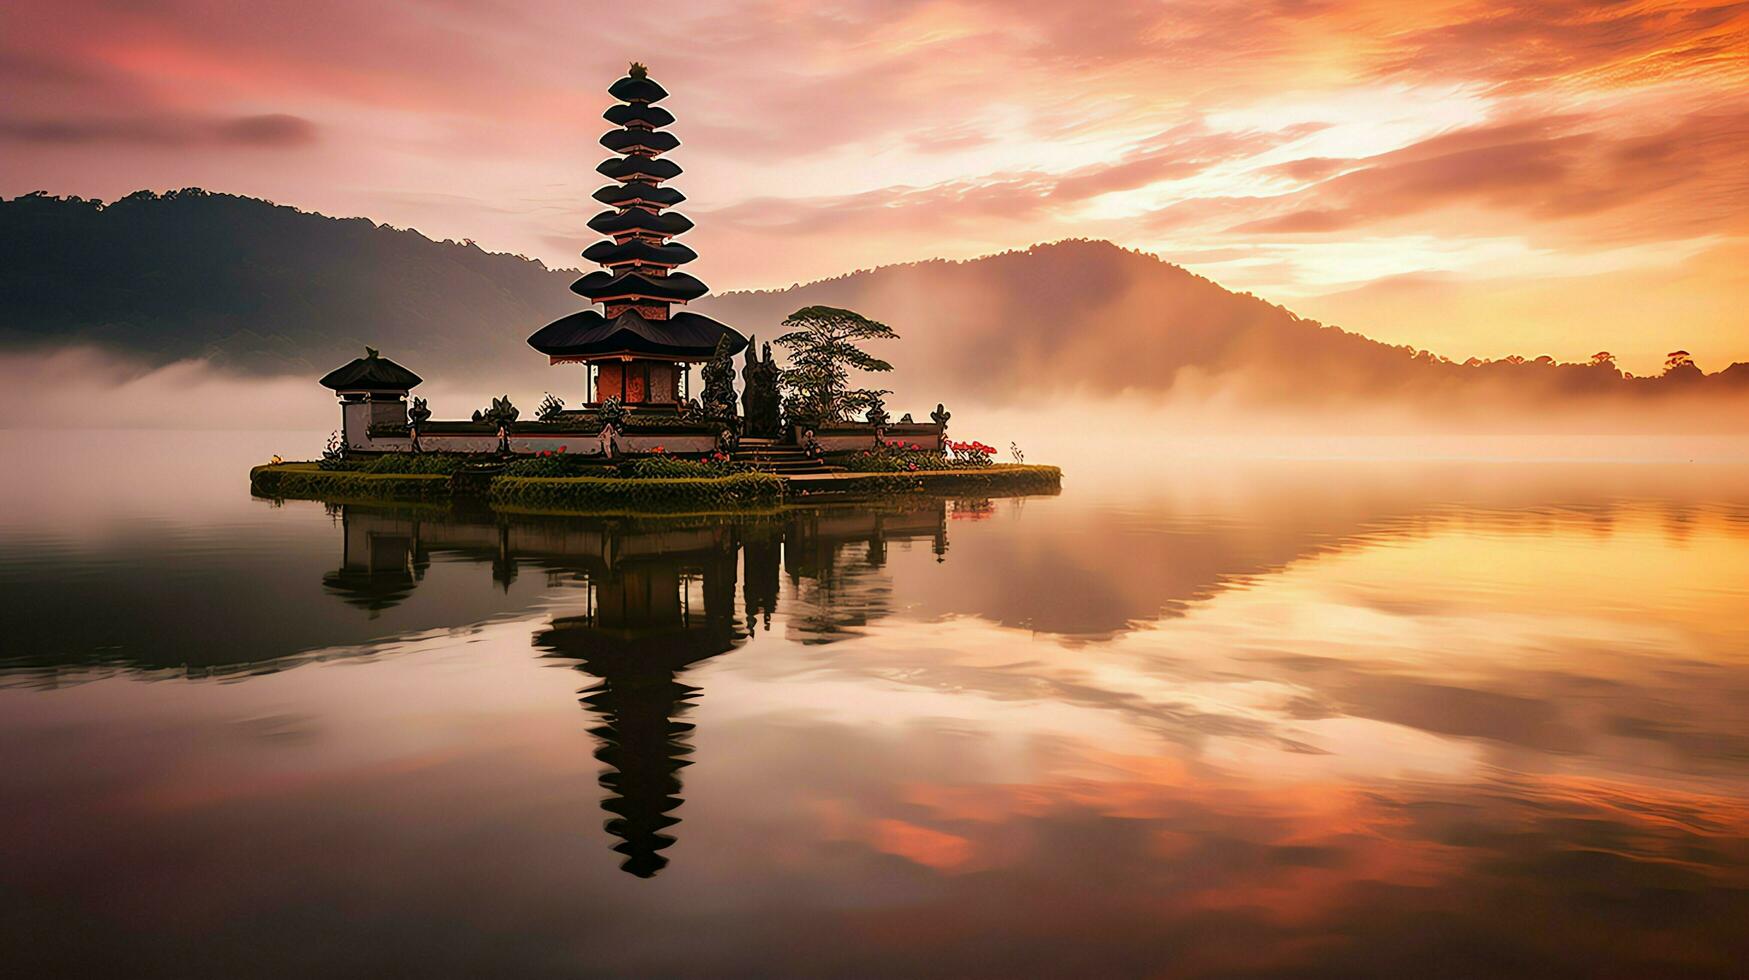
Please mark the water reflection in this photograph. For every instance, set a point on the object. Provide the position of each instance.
(658, 598)
(1290, 721)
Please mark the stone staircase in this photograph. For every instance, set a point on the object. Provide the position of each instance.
(771, 456)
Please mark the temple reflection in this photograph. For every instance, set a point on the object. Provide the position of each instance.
(658, 598)
(658, 604)
(380, 564)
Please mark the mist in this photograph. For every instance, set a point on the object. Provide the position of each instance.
(89, 388)
(1109, 438)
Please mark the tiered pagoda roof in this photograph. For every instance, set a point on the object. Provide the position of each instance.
(639, 284)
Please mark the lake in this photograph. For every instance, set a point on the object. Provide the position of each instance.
(1222, 718)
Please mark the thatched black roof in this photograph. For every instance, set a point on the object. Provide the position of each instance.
(638, 250)
(654, 117)
(588, 334)
(637, 219)
(676, 287)
(637, 89)
(627, 140)
(372, 372)
(638, 193)
(638, 168)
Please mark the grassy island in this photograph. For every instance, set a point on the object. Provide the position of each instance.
(668, 487)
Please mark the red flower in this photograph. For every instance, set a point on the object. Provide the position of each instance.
(563, 448)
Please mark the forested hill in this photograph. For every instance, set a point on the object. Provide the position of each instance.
(257, 286)
(268, 289)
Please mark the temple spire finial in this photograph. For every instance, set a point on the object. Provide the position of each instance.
(638, 70)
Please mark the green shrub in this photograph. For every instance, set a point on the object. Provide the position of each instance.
(312, 483)
(612, 493)
(444, 464)
(892, 459)
(665, 467)
(996, 480)
(558, 464)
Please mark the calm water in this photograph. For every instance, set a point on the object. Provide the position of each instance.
(1228, 719)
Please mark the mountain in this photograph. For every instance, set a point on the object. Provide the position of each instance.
(1078, 317)
(1089, 318)
(269, 289)
(259, 287)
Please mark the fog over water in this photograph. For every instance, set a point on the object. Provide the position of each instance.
(87, 388)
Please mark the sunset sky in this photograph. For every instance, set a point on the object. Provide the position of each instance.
(1472, 177)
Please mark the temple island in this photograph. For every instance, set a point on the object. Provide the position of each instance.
(638, 420)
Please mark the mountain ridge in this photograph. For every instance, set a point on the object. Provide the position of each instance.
(266, 288)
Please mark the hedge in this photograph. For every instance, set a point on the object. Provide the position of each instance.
(309, 480)
(993, 479)
(594, 492)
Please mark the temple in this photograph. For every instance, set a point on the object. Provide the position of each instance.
(638, 348)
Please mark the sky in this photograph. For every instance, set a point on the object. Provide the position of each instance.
(1474, 178)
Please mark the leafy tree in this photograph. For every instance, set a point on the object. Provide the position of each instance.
(1603, 358)
(1677, 359)
(823, 349)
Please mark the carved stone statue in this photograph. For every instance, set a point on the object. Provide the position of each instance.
(719, 386)
(500, 411)
(759, 396)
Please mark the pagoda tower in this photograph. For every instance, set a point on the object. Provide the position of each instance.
(637, 345)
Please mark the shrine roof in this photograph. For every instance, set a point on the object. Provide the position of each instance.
(639, 89)
(372, 372)
(637, 219)
(589, 333)
(637, 192)
(635, 250)
(626, 140)
(653, 116)
(638, 168)
(675, 287)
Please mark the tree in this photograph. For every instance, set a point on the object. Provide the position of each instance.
(1603, 358)
(822, 347)
(1677, 359)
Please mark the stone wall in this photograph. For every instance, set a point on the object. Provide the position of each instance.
(574, 442)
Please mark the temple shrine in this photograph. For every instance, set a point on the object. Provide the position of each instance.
(637, 342)
(637, 347)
